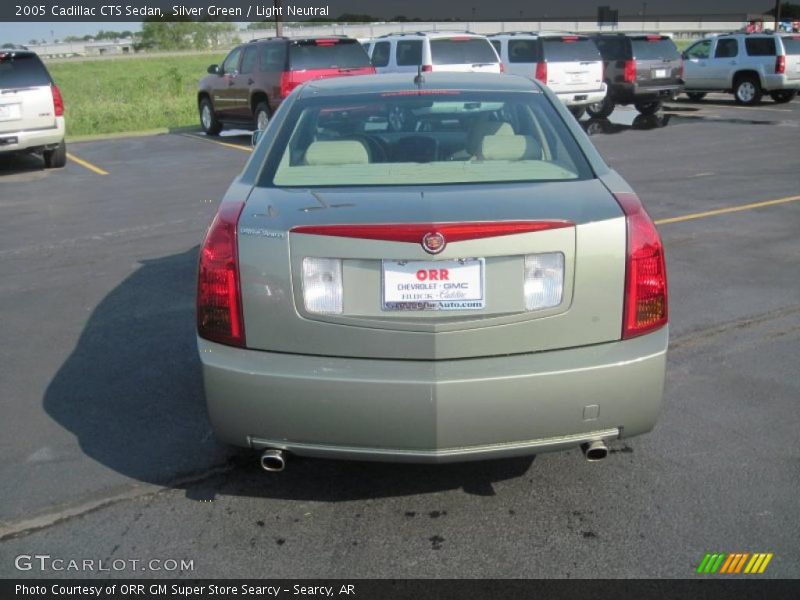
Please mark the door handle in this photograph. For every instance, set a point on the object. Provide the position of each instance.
(250, 82)
(230, 83)
(733, 62)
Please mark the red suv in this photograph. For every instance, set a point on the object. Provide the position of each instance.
(255, 77)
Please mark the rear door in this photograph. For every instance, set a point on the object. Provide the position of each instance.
(26, 99)
(574, 63)
(464, 54)
(724, 61)
(408, 55)
(791, 45)
(244, 84)
(658, 62)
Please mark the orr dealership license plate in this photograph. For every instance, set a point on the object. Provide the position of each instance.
(433, 285)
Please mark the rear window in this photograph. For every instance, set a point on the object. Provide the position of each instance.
(426, 138)
(570, 50)
(462, 51)
(760, 46)
(523, 51)
(327, 54)
(792, 44)
(22, 70)
(651, 49)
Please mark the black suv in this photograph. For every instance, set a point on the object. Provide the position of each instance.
(255, 77)
(639, 69)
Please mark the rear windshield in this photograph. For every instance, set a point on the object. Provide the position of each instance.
(22, 70)
(565, 50)
(792, 44)
(760, 46)
(650, 49)
(435, 137)
(327, 54)
(462, 51)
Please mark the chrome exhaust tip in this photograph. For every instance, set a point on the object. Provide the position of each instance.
(273, 461)
(594, 451)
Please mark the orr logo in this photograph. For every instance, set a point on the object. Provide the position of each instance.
(735, 563)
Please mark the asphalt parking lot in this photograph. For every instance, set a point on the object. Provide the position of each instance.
(106, 451)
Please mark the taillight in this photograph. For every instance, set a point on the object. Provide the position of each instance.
(541, 71)
(780, 64)
(219, 296)
(502, 68)
(427, 68)
(287, 83)
(630, 71)
(645, 271)
(58, 101)
(680, 70)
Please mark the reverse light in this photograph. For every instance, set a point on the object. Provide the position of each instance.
(645, 306)
(544, 280)
(322, 285)
(630, 71)
(780, 64)
(219, 296)
(541, 72)
(58, 100)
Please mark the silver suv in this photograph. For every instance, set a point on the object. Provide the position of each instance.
(748, 65)
(568, 64)
(31, 108)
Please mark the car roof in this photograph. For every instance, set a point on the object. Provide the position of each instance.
(401, 82)
(536, 34)
(432, 34)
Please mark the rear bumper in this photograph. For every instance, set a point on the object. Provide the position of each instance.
(34, 139)
(630, 93)
(434, 411)
(774, 83)
(582, 98)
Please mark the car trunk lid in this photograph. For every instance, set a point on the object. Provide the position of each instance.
(26, 97)
(386, 271)
(573, 63)
(657, 61)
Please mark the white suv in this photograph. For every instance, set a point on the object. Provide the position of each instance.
(31, 108)
(433, 51)
(746, 64)
(568, 64)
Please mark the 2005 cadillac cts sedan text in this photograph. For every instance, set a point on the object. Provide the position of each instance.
(430, 269)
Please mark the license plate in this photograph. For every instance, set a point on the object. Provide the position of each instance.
(660, 73)
(577, 77)
(433, 285)
(9, 111)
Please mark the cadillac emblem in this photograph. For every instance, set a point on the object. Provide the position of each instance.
(433, 242)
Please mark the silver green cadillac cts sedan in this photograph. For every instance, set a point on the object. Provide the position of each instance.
(429, 269)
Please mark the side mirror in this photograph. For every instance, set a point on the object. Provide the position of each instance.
(255, 137)
(214, 70)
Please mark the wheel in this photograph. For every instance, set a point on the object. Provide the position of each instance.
(601, 109)
(747, 90)
(208, 120)
(696, 96)
(649, 108)
(577, 111)
(261, 116)
(782, 96)
(56, 158)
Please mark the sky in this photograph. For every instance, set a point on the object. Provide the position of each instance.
(21, 33)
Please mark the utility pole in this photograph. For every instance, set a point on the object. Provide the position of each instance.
(777, 13)
(278, 18)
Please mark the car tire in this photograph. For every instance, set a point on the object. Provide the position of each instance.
(648, 109)
(747, 90)
(696, 96)
(783, 96)
(602, 109)
(55, 158)
(261, 116)
(208, 120)
(577, 111)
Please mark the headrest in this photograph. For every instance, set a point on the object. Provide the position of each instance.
(510, 147)
(344, 152)
(482, 128)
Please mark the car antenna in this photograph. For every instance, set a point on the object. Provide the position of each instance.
(419, 79)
